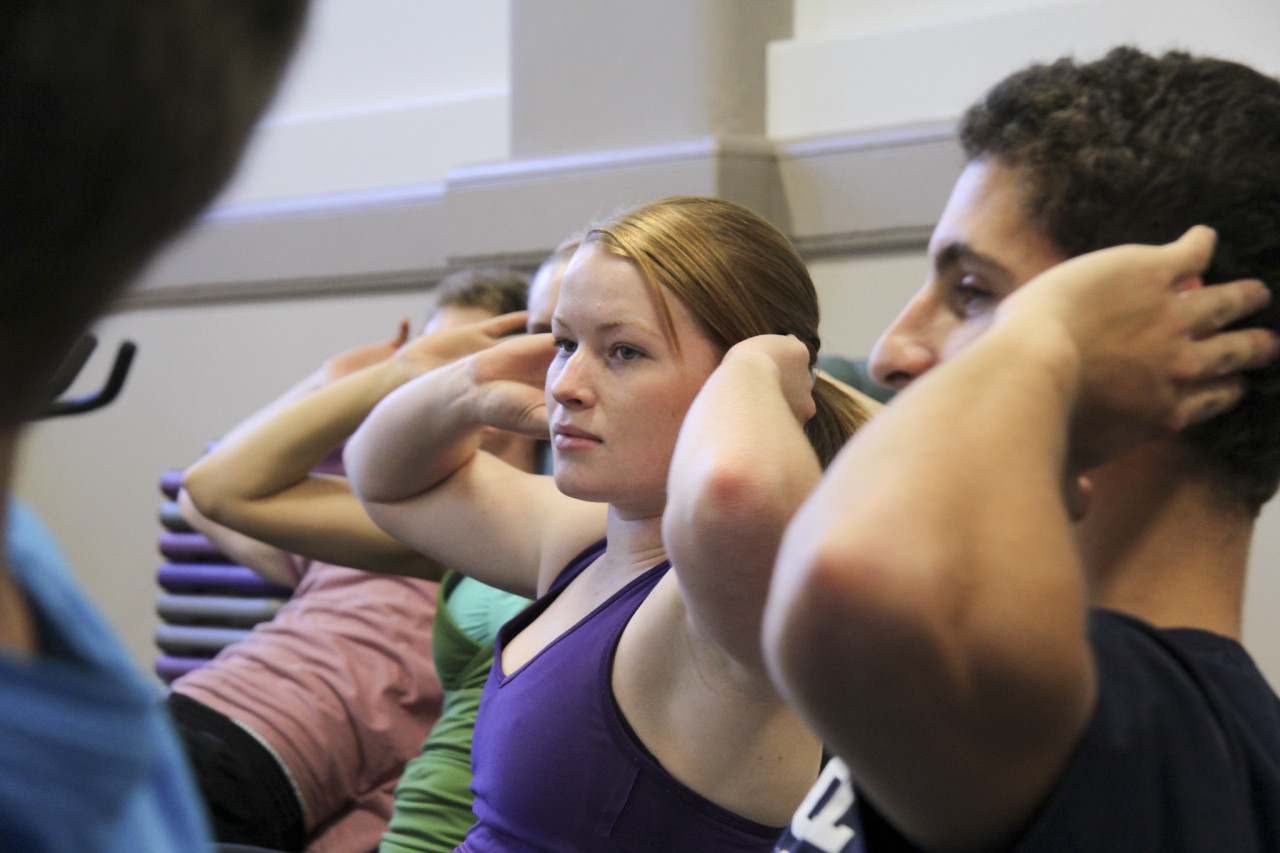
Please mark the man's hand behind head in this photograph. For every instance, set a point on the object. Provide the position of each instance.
(1144, 350)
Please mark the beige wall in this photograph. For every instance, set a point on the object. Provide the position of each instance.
(198, 370)
(370, 90)
(389, 157)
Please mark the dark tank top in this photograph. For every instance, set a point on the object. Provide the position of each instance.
(555, 767)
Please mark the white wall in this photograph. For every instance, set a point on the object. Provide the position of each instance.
(373, 86)
(888, 63)
(389, 96)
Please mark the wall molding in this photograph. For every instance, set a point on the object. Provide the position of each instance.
(878, 191)
(839, 195)
(529, 206)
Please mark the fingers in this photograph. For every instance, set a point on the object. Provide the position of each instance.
(522, 359)
(1207, 400)
(402, 334)
(1229, 352)
(528, 344)
(1190, 254)
(504, 324)
(1211, 308)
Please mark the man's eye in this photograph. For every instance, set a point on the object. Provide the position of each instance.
(970, 295)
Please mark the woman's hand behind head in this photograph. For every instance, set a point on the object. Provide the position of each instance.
(791, 358)
(433, 349)
(358, 358)
(509, 380)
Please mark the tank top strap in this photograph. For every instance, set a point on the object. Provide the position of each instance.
(576, 566)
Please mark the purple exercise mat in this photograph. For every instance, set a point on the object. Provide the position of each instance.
(227, 611)
(190, 548)
(196, 639)
(171, 518)
(169, 667)
(170, 482)
(218, 579)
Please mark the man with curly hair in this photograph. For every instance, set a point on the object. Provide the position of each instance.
(1013, 606)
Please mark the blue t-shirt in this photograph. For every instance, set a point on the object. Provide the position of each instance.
(89, 762)
(1182, 753)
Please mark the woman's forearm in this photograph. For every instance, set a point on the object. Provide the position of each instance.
(416, 437)
(741, 466)
(267, 456)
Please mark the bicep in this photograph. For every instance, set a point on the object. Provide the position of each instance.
(956, 711)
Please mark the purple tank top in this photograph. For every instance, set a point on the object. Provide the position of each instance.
(555, 768)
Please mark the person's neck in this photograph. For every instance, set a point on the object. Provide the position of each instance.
(635, 542)
(17, 624)
(1164, 546)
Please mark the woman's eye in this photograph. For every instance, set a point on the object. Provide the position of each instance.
(566, 346)
(625, 353)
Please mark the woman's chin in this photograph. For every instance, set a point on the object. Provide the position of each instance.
(575, 487)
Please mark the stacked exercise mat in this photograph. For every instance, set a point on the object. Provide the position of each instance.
(206, 601)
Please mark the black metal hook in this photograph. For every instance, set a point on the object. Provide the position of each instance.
(71, 368)
(72, 365)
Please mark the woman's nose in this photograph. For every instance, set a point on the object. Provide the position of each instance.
(568, 382)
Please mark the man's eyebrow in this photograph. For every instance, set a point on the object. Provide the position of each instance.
(953, 254)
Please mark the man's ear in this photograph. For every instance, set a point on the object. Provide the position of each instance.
(1078, 492)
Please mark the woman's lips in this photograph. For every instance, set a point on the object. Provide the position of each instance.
(566, 437)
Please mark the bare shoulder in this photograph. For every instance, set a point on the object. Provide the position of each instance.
(572, 528)
(710, 721)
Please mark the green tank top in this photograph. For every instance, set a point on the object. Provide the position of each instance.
(433, 797)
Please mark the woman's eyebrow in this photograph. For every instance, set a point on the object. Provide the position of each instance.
(611, 325)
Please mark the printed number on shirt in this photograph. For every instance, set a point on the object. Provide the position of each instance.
(820, 820)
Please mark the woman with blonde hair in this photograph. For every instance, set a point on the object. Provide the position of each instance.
(629, 708)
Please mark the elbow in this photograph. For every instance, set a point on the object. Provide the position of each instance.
(213, 493)
(355, 461)
(837, 607)
(801, 610)
(723, 495)
(200, 493)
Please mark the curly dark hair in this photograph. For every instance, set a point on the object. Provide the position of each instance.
(1136, 148)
